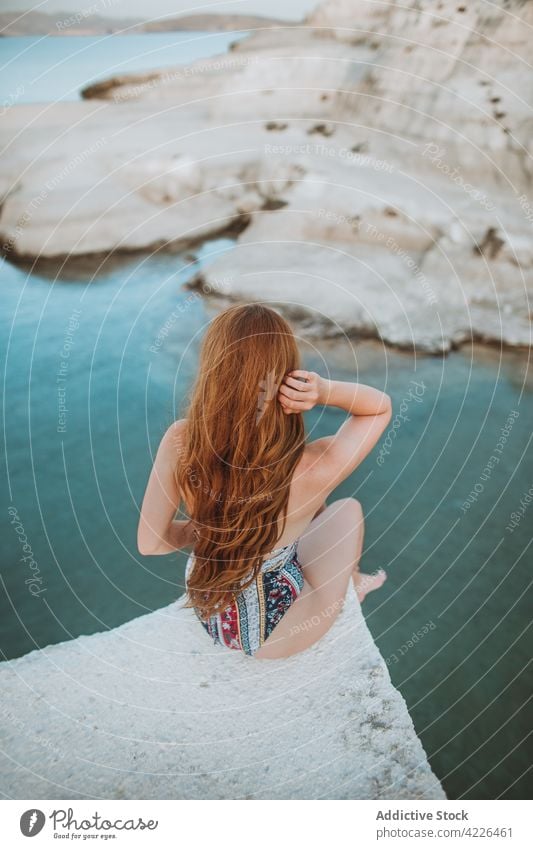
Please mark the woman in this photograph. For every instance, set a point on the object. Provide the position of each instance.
(271, 563)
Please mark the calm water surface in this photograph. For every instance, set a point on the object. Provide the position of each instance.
(50, 68)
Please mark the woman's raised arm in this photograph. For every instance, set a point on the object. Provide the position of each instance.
(336, 456)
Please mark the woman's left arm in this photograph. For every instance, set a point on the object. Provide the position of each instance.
(159, 532)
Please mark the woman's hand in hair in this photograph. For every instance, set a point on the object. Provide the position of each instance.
(301, 391)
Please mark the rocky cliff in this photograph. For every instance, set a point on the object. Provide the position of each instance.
(376, 161)
(152, 710)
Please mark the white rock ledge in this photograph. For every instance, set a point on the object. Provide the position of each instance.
(153, 710)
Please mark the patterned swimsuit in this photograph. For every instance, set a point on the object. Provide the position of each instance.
(249, 620)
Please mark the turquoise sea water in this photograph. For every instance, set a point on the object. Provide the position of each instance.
(49, 68)
(95, 368)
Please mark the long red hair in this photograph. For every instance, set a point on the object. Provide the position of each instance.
(239, 451)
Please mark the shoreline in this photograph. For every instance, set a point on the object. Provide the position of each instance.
(385, 228)
(88, 263)
(86, 23)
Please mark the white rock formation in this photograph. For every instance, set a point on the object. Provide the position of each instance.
(382, 149)
(154, 710)
(448, 72)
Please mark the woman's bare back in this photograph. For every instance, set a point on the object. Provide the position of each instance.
(329, 541)
(306, 498)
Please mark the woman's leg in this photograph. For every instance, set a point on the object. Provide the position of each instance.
(329, 551)
(351, 512)
(331, 547)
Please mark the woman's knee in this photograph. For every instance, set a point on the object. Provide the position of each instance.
(330, 549)
(350, 508)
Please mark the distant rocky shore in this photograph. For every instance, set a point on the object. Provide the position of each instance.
(87, 22)
(377, 177)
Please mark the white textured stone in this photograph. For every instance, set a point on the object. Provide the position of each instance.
(409, 117)
(153, 709)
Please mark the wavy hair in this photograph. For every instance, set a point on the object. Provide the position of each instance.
(239, 451)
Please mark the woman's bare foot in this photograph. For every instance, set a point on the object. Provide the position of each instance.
(367, 583)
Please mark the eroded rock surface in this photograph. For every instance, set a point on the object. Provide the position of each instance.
(386, 159)
(152, 710)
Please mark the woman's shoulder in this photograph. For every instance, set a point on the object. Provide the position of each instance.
(312, 452)
(309, 464)
(173, 438)
(314, 469)
(177, 428)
